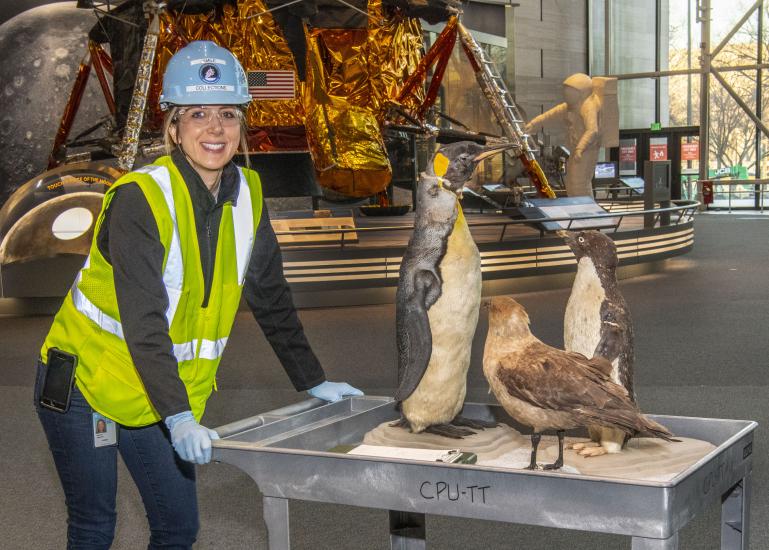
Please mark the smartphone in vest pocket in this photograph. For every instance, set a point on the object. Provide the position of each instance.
(59, 380)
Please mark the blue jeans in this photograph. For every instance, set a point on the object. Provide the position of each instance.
(89, 477)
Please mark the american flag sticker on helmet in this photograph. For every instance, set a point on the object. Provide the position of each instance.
(271, 84)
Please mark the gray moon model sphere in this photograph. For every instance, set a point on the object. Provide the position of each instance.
(42, 49)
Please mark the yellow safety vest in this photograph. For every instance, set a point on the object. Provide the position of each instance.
(88, 323)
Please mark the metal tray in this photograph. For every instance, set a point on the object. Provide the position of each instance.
(285, 452)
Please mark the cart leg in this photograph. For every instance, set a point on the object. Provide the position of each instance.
(407, 531)
(655, 544)
(735, 516)
(276, 519)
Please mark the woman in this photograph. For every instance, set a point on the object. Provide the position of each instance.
(150, 312)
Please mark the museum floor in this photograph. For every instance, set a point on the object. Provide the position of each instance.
(702, 349)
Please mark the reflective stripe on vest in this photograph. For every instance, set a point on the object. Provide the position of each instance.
(209, 349)
(173, 274)
(243, 220)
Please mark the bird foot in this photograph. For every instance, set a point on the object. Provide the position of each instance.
(401, 423)
(583, 445)
(447, 430)
(592, 451)
(557, 465)
(473, 423)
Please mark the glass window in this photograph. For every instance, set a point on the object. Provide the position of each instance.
(765, 34)
(683, 36)
(732, 144)
(725, 14)
(732, 132)
(763, 198)
(680, 100)
(690, 166)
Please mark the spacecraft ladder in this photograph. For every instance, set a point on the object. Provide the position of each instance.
(129, 145)
(504, 108)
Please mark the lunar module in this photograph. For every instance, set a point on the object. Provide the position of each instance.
(336, 84)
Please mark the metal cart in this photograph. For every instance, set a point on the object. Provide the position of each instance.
(285, 453)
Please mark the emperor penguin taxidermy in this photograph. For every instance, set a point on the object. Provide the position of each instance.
(597, 323)
(438, 298)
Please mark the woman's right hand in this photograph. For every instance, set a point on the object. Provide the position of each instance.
(191, 441)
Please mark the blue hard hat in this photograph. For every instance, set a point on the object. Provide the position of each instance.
(203, 73)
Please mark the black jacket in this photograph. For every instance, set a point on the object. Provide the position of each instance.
(130, 241)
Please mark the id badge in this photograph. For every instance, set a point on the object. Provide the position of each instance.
(104, 431)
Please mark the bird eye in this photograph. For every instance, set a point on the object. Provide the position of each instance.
(581, 239)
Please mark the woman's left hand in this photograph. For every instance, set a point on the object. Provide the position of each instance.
(333, 391)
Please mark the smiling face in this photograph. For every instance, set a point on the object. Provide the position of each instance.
(209, 136)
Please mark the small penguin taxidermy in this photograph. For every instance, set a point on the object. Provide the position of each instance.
(438, 298)
(597, 323)
(547, 388)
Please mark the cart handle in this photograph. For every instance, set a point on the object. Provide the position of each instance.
(258, 420)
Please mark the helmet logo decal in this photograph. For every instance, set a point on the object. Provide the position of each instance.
(203, 73)
(209, 74)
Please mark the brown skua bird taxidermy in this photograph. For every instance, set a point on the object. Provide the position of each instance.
(547, 388)
(597, 323)
(438, 298)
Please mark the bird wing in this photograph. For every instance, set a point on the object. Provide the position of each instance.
(552, 379)
(549, 378)
(413, 334)
(612, 327)
(596, 362)
(616, 341)
(601, 364)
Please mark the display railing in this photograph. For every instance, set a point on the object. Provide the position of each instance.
(763, 189)
(684, 209)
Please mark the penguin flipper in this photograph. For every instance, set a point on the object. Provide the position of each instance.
(415, 340)
(616, 329)
(611, 337)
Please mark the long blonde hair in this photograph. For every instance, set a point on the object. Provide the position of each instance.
(172, 119)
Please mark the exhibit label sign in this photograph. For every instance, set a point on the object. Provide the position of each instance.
(627, 157)
(658, 149)
(690, 151)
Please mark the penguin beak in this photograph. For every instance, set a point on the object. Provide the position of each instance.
(491, 150)
(567, 236)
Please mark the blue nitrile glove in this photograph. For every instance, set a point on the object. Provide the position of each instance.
(191, 441)
(333, 391)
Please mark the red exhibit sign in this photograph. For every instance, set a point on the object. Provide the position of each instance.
(658, 151)
(627, 153)
(690, 151)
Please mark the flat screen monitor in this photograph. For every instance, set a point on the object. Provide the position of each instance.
(605, 170)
